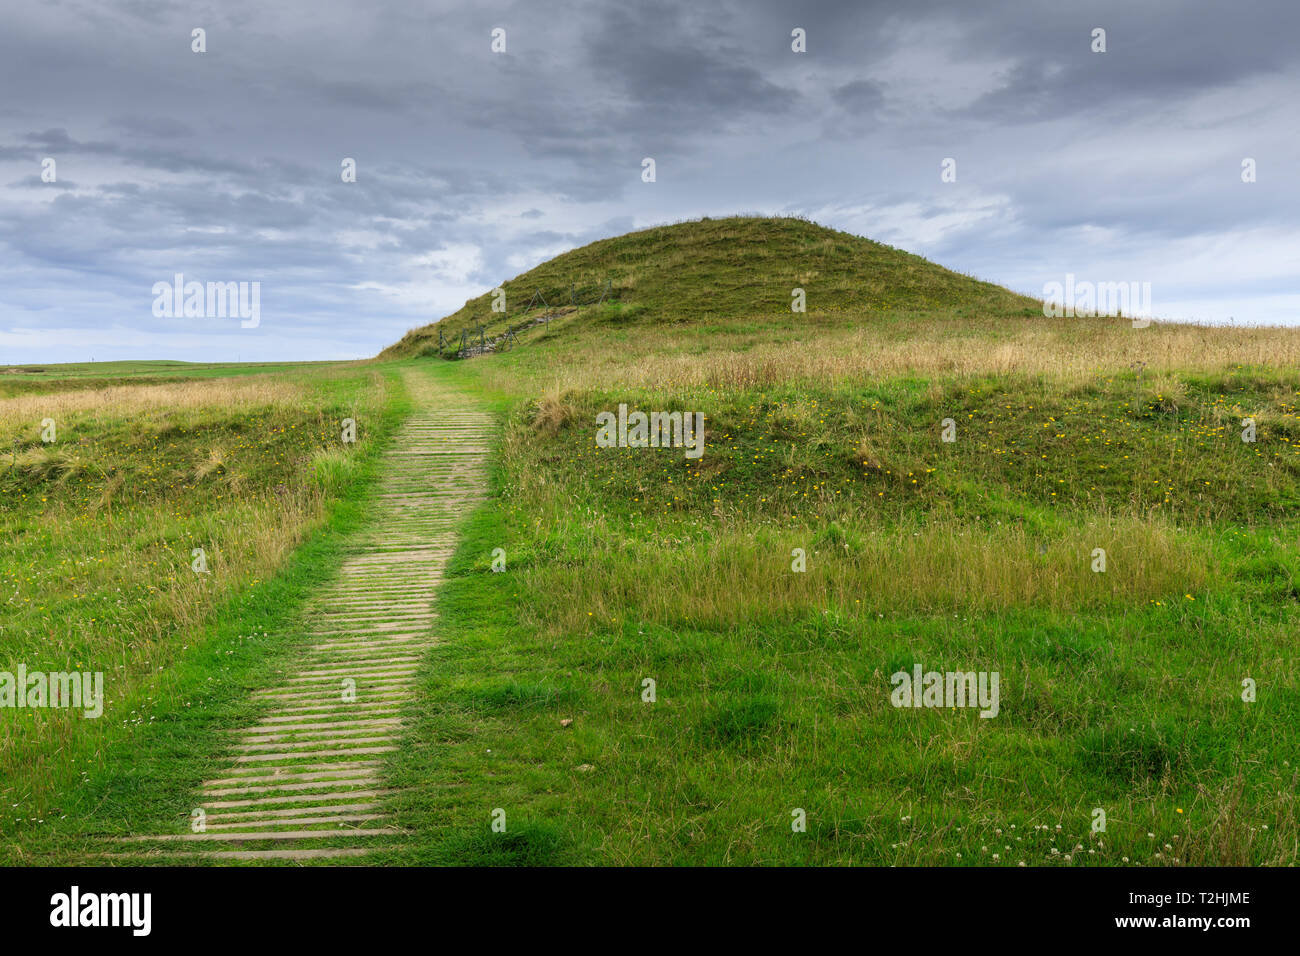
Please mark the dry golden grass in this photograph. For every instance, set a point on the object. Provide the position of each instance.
(1067, 351)
(121, 400)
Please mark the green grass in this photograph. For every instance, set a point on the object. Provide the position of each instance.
(729, 271)
(1120, 691)
(98, 577)
(1135, 710)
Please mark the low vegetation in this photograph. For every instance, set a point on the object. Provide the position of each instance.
(1122, 689)
(136, 517)
(688, 660)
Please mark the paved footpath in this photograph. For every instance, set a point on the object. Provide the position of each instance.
(305, 780)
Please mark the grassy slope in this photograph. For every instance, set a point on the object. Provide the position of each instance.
(96, 573)
(1119, 690)
(723, 270)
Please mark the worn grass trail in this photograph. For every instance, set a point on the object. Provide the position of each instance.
(304, 780)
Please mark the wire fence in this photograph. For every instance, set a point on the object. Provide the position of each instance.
(476, 341)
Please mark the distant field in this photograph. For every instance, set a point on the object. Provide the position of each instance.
(29, 379)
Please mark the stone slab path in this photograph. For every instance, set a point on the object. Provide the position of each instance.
(305, 779)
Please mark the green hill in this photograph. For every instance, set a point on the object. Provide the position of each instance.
(739, 268)
(683, 653)
(647, 656)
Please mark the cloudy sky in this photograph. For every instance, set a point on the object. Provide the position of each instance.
(472, 165)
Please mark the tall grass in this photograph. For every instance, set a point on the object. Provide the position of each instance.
(1122, 689)
(790, 350)
(745, 575)
(101, 527)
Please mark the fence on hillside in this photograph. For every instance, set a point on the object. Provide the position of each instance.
(477, 342)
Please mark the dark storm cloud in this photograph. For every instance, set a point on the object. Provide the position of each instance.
(861, 97)
(473, 166)
(1154, 53)
(675, 68)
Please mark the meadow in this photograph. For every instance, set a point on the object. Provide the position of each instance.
(1122, 689)
(102, 530)
(688, 661)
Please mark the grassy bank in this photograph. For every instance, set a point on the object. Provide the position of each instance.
(1121, 689)
(99, 574)
(688, 660)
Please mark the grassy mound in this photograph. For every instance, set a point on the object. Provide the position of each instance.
(1110, 528)
(735, 270)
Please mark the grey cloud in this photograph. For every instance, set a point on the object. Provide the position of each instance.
(228, 163)
(861, 97)
(157, 127)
